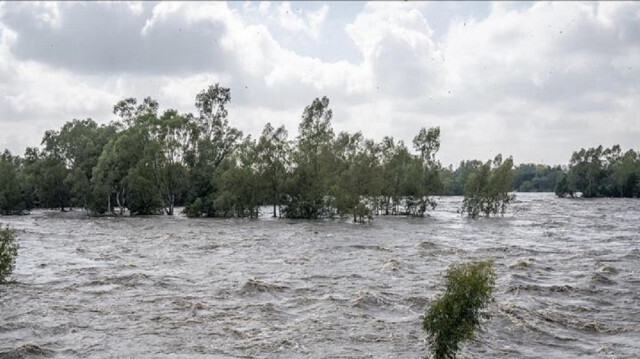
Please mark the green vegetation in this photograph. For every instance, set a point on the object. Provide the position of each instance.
(15, 193)
(148, 162)
(530, 177)
(454, 317)
(8, 252)
(601, 172)
(487, 189)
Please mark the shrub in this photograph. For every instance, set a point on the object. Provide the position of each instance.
(8, 252)
(454, 317)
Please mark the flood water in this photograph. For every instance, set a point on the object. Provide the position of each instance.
(170, 287)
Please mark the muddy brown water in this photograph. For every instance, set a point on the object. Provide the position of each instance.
(170, 287)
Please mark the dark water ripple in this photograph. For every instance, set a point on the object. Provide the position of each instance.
(161, 287)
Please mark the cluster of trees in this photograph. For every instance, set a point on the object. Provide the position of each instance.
(601, 172)
(149, 162)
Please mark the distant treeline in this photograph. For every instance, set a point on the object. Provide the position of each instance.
(527, 177)
(149, 162)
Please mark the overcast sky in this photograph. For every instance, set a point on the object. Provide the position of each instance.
(532, 80)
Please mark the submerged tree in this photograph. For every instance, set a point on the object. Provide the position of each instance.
(170, 144)
(79, 143)
(427, 143)
(314, 164)
(487, 190)
(214, 141)
(458, 313)
(602, 172)
(272, 160)
(240, 187)
(357, 182)
(15, 194)
(45, 171)
(8, 252)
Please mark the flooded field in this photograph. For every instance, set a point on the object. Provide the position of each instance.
(169, 287)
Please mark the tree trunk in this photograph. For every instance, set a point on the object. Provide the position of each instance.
(120, 194)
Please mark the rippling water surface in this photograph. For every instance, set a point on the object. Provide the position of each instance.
(162, 287)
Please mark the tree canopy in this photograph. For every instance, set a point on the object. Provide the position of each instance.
(150, 161)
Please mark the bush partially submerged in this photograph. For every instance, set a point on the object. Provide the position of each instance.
(454, 317)
(8, 252)
(487, 190)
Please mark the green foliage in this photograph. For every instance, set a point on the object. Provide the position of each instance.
(461, 176)
(15, 194)
(562, 188)
(147, 163)
(194, 209)
(531, 177)
(79, 143)
(487, 190)
(357, 181)
(240, 186)
(409, 181)
(314, 164)
(602, 172)
(8, 252)
(212, 141)
(142, 196)
(46, 172)
(455, 317)
(110, 178)
(272, 160)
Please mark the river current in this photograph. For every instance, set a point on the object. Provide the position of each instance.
(568, 284)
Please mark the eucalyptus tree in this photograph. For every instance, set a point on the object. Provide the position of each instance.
(240, 188)
(403, 180)
(487, 190)
(15, 194)
(562, 188)
(109, 178)
(79, 143)
(427, 143)
(626, 174)
(45, 172)
(357, 182)
(273, 160)
(118, 174)
(313, 164)
(214, 141)
(586, 172)
(389, 183)
(170, 145)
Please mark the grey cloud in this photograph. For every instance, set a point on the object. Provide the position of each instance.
(106, 38)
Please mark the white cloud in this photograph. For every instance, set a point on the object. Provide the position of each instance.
(307, 22)
(533, 81)
(263, 7)
(395, 40)
(135, 7)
